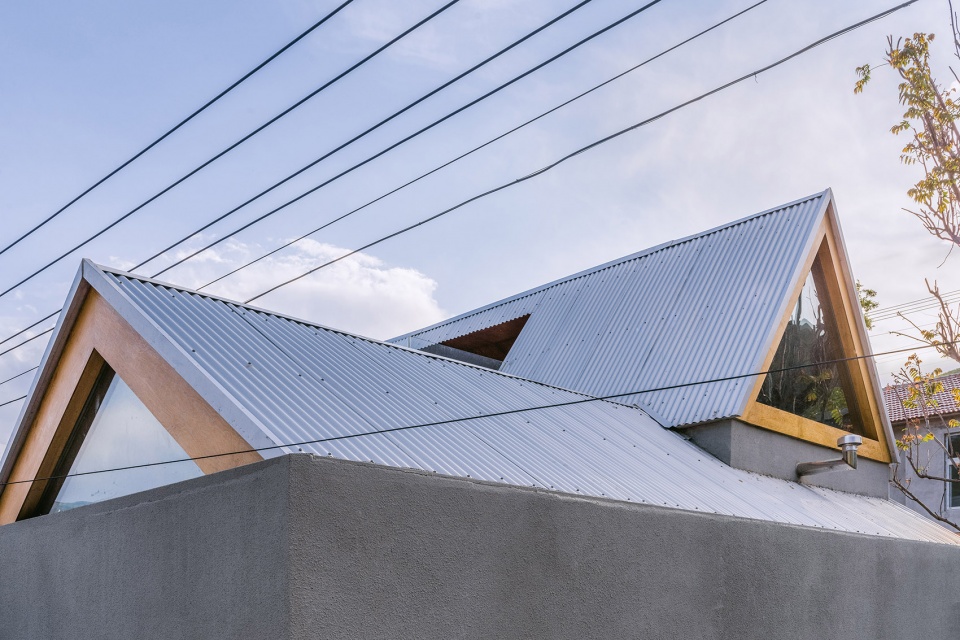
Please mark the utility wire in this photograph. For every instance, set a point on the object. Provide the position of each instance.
(22, 373)
(179, 124)
(233, 146)
(446, 164)
(892, 312)
(25, 329)
(819, 42)
(393, 146)
(586, 148)
(359, 136)
(3, 404)
(923, 300)
(30, 339)
(193, 233)
(583, 399)
(474, 150)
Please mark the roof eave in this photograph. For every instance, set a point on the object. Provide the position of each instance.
(45, 370)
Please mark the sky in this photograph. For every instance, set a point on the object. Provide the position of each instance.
(87, 85)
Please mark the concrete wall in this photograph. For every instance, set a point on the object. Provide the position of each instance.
(747, 447)
(933, 493)
(199, 559)
(304, 547)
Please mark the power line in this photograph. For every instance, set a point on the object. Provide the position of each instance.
(893, 312)
(393, 146)
(657, 117)
(25, 329)
(584, 399)
(923, 300)
(359, 136)
(22, 373)
(448, 163)
(190, 117)
(192, 233)
(586, 148)
(473, 150)
(3, 404)
(30, 339)
(233, 146)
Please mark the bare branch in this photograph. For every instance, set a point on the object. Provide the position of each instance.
(936, 516)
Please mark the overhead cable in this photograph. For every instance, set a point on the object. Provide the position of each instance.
(196, 231)
(232, 146)
(753, 74)
(190, 117)
(448, 163)
(470, 152)
(355, 139)
(3, 404)
(22, 373)
(393, 146)
(586, 148)
(583, 399)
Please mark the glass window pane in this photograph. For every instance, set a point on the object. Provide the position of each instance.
(814, 391)
(122, 432)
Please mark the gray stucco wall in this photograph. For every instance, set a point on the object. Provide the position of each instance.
(304, 547)
(198, 559)
(933, 493)
(747, 447)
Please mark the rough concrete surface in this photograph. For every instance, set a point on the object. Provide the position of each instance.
(198, 559)
(754, 449)
(304, 547)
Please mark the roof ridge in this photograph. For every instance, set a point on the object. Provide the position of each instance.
(315, 325)
(612, 263)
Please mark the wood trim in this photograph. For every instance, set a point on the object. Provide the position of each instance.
(794, 295)
(852, 340)
(833, 265)
(773, 419)
(100, 335)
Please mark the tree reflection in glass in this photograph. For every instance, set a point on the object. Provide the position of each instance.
(814, 391)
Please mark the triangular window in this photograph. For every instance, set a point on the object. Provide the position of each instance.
(114, 430)
(803, 380)
(485, 348)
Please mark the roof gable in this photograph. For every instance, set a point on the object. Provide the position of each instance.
(285, 384)
(700, 308)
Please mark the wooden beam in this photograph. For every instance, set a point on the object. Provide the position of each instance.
(99, 335)
(779, 421)
(837, 300)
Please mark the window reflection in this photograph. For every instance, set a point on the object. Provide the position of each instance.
(815, 391)
(115, 430)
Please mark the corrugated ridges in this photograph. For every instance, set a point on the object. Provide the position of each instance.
(305, 382)
(697, 309)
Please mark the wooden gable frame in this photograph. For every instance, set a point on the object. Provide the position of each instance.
(827, 250)
(94, 336)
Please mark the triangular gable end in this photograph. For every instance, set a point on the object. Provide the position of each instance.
(91, 349)
(115, 430)
(822, 323)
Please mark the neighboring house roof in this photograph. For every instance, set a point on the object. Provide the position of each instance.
(699, 308)
(281, 381)
(946, 402)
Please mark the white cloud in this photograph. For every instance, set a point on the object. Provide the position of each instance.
(359, 294)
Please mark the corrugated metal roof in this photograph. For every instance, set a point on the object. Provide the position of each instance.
(301, 382)
(946, 404)
(699, 308)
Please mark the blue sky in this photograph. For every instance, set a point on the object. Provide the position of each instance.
(87, 84)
